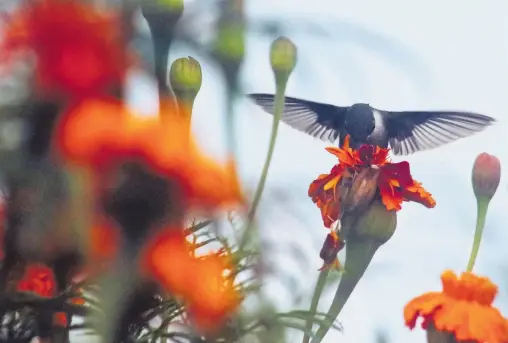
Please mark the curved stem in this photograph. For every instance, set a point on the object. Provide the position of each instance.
(279, 108)
(481, 214)
(318, 290)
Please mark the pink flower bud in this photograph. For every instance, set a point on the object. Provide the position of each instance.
(486, 175)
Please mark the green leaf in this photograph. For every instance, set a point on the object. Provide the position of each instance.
(296, 326)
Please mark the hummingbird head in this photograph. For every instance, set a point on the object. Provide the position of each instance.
(359, 121)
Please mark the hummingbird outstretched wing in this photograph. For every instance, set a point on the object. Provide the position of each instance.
(412, 131)
(319, 120)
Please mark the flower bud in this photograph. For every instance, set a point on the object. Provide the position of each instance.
(362, 190)
(229, 44)
(375, 223)
(185, 78)
(283, 55)
(486, 175)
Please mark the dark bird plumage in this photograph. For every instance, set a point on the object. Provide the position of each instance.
(405, 132)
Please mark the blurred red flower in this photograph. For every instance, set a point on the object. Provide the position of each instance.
(79, 50)
(38, 278)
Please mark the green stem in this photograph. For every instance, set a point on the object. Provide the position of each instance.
(279, 108)
(230, 123)
(318, 290)
(481, 214)
(359, 253)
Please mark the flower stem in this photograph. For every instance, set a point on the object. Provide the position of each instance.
(279, 108)
(481, 214)
(230, 126)
(318, 290)
(359, 253)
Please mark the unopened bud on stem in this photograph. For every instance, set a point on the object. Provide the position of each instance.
(185, 78)
(283, 55)
(486, 176)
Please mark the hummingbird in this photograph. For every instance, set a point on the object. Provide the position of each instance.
(405, 132)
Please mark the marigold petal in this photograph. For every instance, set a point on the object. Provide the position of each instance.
(423, 305)
(416, 193)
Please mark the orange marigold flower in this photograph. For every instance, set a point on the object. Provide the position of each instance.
(102, 134)
(79, 50)
(464, 309)
(38, 278)
(205, 283)
(394, 183)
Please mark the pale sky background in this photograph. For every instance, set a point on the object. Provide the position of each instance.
(393, 54)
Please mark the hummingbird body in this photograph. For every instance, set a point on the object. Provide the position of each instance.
(405, 132)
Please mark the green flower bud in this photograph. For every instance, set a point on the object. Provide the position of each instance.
(486, 176)
(185, 78)
(376, 223)
(230, 43)
(283, 56)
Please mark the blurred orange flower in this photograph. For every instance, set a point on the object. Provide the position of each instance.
(103, 134)
(464, 309)
(205, 283)
(395, 183)
(79, 50)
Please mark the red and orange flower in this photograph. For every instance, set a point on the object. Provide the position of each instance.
(395, 183)
(463, 310)
(79, 50)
